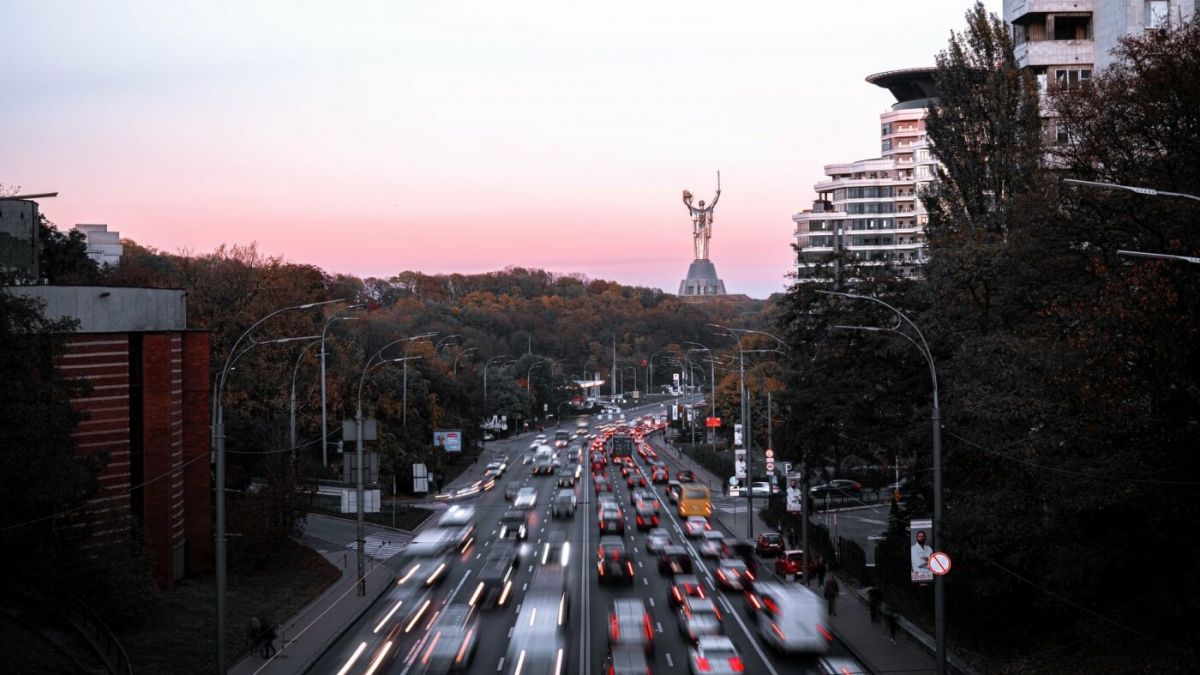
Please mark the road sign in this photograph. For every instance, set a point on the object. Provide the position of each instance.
(939, 563)
(770, 454)
(733, 480)
(786, 467)
(350, 430)
(712, 422)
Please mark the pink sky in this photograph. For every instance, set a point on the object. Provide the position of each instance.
(454, 136)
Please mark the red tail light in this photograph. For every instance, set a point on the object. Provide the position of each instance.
(702, 664)
(614, 627)
(736, 664)
(648, 628)
(827, 634)
(678, 597)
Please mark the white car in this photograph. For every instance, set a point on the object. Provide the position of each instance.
(715, 655)
(762, 489)
(696, 526)
(497, 467)
(656, 539)
(790, 618)
(526, 498)
(712, 544)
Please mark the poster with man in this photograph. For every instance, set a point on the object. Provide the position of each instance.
(739, 463)
(919, 552)
(795, 501)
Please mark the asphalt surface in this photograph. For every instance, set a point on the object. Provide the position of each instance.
(393, 635)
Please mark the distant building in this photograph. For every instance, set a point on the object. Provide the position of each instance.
(869, 210)
(102, 246)
(148, 413)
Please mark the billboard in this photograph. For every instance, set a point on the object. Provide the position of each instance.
(795, 499)
(737, 435)
(448, 439)
(739, 463)
(919, 532)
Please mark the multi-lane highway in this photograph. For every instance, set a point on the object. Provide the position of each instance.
(537, 628)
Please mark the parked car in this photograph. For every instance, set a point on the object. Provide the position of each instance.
(769, 544)
(789, 563)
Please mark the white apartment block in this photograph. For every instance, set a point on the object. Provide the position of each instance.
(869, 211)
(102, 246)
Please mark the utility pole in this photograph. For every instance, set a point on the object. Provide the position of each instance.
(614, 368)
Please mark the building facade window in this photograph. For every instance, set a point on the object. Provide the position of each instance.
(1158, 14)
(1072, 78)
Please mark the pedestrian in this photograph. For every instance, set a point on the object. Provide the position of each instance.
(889, 613)
(822, 568)
(831, 593)
(268, 642)
(812, 570)
(255, 633)
(875, 597)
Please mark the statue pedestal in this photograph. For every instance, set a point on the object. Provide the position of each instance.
(702, 280)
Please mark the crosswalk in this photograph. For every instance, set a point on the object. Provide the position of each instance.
(381, 547)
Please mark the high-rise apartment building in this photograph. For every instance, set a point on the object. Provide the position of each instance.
(1064, 41)
(870, 211)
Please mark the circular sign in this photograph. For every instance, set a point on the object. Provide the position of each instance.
(733, 480)
(770, 453)
(939, 563)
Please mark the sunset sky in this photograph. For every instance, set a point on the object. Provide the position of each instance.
(375, 137)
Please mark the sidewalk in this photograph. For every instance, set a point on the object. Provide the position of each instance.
(868, 642)
(305, 637)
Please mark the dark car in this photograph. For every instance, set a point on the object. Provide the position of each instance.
(647, 518)
(635, 479)
(452, 641)
(838, 488)
(610, 521)
(514, 524)
(674, 560)
(601, 484)
(495, 577)
(684, 586)
(613, 562)
(685, 477)
(789, 563)
(769, 544)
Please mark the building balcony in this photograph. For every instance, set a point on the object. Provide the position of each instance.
(1055, 53)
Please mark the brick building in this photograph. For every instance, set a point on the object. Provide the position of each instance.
(148, 414)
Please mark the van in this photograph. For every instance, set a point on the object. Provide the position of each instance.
(790, 618)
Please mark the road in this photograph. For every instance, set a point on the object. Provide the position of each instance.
(400, 626)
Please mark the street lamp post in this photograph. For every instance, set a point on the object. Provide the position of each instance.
(218, 442)
(465, 352)
(324, 414)
(712, 376)
(485, 374)
(292, 407)
(404, 404)
(358, 453)
(939, 588)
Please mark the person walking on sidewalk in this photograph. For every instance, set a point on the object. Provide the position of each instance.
(890, 614)
(822, 568)
(831, 593)
(268, 642)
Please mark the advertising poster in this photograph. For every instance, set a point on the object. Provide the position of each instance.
(739, 463)
(795, 501)
(919, 534)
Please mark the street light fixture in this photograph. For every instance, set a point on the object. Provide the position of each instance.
(1130, 188)
(939, 588)
(218, 442)
(461, 354)
(404, 405)
(485, 375)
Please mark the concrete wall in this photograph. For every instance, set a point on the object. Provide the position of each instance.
(107, 309)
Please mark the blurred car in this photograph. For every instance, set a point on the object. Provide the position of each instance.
(635, 479)
(715, 655)
(698, 617)
(656, 539)
(712, 544)
(760, 489)
(696, 526)
(526, 498)
(733, 574)
(494, 588)
(510, 489)
(564, 504)
(674, 560)
(790, 617)
(612, 561)
(684, 586)
(601, 484)
(626, 660)
(543, 466)
(789, 563)
(769, 544)
(566, 477)
(452, 641)
(498, 467)
(660, 474)
(673, 490)
(685, 476)
(639, 495)
(514, 524)
(646, 518)
(837, 488)
(629, 624)
(610, 520)
(538, 642)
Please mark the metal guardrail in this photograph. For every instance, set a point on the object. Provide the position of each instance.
(97, 633)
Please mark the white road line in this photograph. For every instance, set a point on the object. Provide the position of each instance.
(670, 663)
(501, 666)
